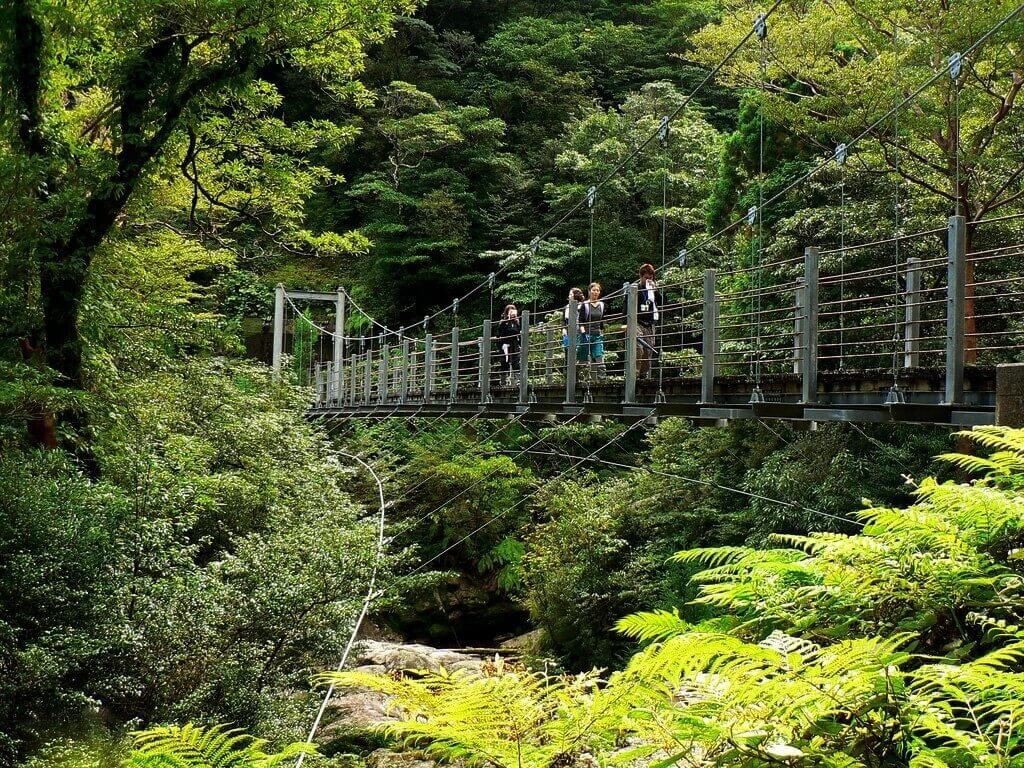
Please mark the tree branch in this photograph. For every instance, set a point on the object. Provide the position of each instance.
(985, 136)
(914, 179)
(990, 204)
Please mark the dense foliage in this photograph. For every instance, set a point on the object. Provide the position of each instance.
(895, 645)
(178, 543)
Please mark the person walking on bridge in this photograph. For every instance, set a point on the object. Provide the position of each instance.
(508, 345)
(595, 333)
(582, 320)
(648, 315)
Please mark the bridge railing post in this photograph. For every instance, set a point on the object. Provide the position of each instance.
(385, 361)
(524, 357)
(632, 334)
(572, 330)
(354, 377)
(809, 374)
(549, 355)
(404, 381)
(800, 294)
(912, 315)
(453, 390)
(278, 350)
(428, 367)
(339, 330)
(318, 383)
(368, 373)
(955, 308)
(485, 363)
(709, 340)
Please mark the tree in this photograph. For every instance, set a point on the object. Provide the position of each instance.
(834, 69)
(429, 199)
(628, 211)
(96, 104)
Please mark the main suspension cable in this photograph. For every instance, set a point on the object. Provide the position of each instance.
(698, 481)
(371, 595)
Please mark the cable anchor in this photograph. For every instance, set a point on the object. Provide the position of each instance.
(895, 396)
(663, 129)
(535, 245)
(761, 26)
(591, 197)
(751, 215)
(682, 258)
(956, 63)
(840, 154)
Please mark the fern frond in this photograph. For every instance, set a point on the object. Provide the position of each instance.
(711, 556)
(647, 626)
(976, 464)
(191, 746)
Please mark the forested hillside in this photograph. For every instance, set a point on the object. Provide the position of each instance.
(184, 551)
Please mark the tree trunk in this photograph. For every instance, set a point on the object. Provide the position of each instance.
(40, 421)
(64, 269)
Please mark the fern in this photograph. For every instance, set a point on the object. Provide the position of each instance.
(832, 651)
(648, 626)
(510, 718)
(191, 746)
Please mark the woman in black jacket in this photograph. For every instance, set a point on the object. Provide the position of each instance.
(507, 347)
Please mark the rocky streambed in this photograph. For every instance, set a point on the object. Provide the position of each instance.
(351, 715)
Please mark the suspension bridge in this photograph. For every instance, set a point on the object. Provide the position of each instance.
(923, 326)
(920, 331)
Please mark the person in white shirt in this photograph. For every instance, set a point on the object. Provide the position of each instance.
(582, 316)
(647, 316)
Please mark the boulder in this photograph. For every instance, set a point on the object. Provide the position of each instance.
(385, 758)
(395, 657)
(528, 643)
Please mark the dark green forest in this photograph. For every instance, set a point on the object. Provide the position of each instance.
(184, 553)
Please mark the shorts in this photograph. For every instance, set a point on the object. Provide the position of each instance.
(582, 346)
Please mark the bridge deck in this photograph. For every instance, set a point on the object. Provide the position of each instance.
(843, 396)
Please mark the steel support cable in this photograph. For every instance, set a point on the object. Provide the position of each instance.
(371, 595)
(508, 423)
(884, 241)
(660, 396)
(994, 253)
(429, 425)
(842, 259)
(875, 272)
(894, 395)
(697, 481)
(473, 485)
(525, 498)
(879, 444)
(757, 395)
(867, 131)
(592, 204)
(1007, 217)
